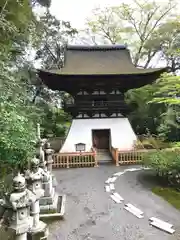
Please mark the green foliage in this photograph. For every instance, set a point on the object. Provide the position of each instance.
(55, 122)
(145, 115)
(160, 161)
(151, 142)
(166, 164)
(167, 89)
(169, 194)
(17, 130)
(17, 135)
(167, 40)
(175, 144)
(54, 35)
(17, 115)
(16, 20)
(156, 108)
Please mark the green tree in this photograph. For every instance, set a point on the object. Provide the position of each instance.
(17, 115)
(157, 107)
(16, 124)
(145, 114)
(143, 26)
(54, 35)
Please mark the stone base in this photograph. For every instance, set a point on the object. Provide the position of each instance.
(45, 201)
(11, 233)
(40, 233)
(49, 206)
(57, 210)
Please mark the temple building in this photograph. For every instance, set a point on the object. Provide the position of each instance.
(97, 78)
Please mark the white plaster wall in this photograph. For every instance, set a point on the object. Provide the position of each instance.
(122, 134)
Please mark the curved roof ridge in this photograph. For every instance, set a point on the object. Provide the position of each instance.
(96, 47)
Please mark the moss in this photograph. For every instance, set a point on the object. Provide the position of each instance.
(169, 194)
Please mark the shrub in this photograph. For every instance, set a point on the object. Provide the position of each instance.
(151, 142)
(166, 163)
(175, 144)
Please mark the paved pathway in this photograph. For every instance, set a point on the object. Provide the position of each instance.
(92, 215)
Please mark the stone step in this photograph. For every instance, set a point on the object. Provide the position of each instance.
(104, 157)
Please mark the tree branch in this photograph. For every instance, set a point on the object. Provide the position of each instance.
(151, 30)
(150, 56)
(3, 8)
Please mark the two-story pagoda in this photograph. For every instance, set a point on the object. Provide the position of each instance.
(97, 77)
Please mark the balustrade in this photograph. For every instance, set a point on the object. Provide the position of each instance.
(95, 104)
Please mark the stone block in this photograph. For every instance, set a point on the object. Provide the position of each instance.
(41, 233)
(47, 200)
(55, 213)
(50, 207)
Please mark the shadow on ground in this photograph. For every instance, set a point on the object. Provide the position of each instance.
(148, 179)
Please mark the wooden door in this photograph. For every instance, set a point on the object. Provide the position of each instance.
(101, 139)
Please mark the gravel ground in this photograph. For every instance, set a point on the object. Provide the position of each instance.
(92, 215)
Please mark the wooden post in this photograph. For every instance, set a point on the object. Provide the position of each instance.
(117, 157)
(95, 158)
(67, 161)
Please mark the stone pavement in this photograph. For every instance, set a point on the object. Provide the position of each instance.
(92, 215)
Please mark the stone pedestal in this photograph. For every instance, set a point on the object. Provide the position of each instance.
(40, 233)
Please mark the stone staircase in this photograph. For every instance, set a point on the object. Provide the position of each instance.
(103, 156)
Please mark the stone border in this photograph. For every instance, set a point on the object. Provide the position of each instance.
(117, 198)
(60, 211)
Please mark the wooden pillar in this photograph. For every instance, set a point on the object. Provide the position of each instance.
(95, 158)
(117, 157)
(67, 161)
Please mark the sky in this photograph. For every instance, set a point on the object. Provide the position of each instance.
(76, 11)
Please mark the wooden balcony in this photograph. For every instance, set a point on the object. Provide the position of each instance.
(95, 105)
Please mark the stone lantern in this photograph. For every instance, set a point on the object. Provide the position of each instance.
(41, 154)
(15, 209)
(51, 204)
(48, 156)
(49, 161)
(34, 178)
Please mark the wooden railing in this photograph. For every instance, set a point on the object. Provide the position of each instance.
(131, 157)
(94, 105)
(127, 157)
(134, 156)
(88, 159)
(71, 160)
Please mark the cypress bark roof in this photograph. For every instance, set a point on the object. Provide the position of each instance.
(103, 60)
